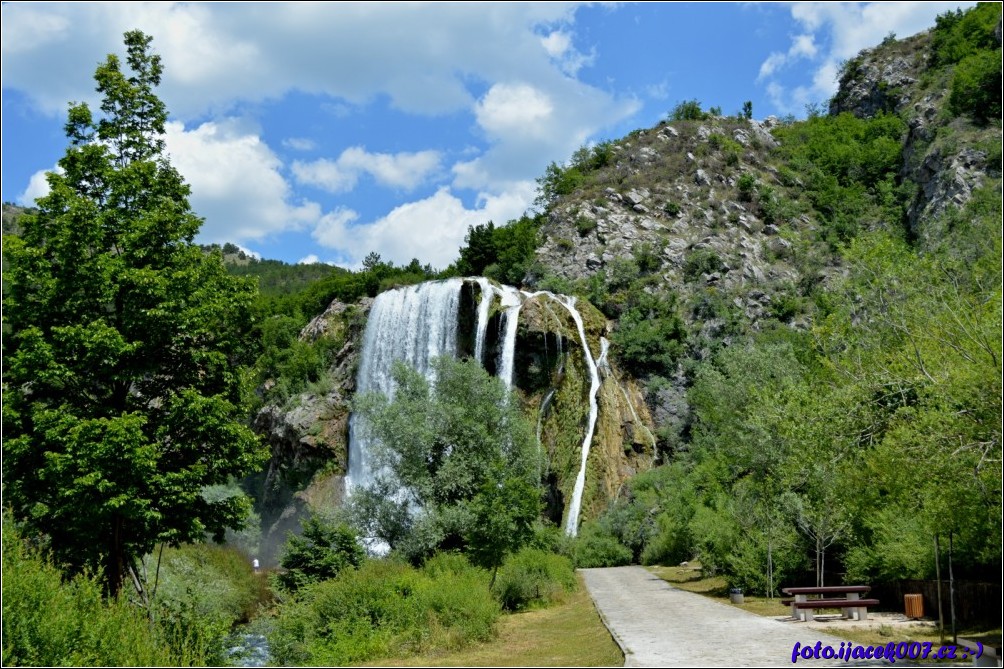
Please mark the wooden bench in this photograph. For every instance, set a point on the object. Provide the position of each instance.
(801, 595)
(851, 608)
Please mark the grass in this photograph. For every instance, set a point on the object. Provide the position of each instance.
(689, 578)
(568, 634)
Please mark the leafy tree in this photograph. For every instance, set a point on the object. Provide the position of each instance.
(688, 110)
(320, 553)
(456, 462)
(125, 381)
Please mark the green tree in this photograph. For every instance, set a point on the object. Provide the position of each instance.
(125, 385)
(456, 462)
(320, 553)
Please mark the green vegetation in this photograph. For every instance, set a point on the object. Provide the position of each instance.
(465, 457)
(849, 168)
(126, 346)
(855, 447)
(322, 552)
(569, 634)
(385, 608)
(502, 253)
(534, 576)
(49, 623)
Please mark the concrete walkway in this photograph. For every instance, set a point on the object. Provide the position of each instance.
(657, 625)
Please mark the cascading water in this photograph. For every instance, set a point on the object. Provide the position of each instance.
(414, 325)
(418, 323)
(512, 303)
(484, 306)
(572, 523)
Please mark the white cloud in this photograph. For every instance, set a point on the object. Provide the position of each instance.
(38, 186)
(431, 229)
(803, 46)
(845, 29)
(236, 182)
(214, 54)
(404, 170)
(508, 109)
(299, 143)
(311, 259)
(558, 45)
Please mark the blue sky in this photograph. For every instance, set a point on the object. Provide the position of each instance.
(321, 132)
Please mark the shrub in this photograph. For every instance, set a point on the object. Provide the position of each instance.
(533, 576)
(385, 607)
(585, 225)
(49, 622)
(975, 88)
(321, 552)
(701, 261)
(597, 548)
(671, 208)
(746, 186)
(688, 110)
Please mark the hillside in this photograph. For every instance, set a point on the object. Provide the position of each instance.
(806, 306)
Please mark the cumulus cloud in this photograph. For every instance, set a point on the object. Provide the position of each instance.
(431, 229)
(505, 71)
(311, 259)
(217, 53)
(38, 186)
(404, 170)
(558, 45)
(236, 181)
(834, 32)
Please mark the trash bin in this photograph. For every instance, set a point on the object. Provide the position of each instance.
(736, 595)
(914, 606)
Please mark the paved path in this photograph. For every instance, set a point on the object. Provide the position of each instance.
(658, 625)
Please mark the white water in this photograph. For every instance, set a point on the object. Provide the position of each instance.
(512, 303)
(572, 522)
(601, 362)
(484, 306)
(413, 324)
(418, 323)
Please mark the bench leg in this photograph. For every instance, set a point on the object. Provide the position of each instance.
(808, 617)
(862, 613)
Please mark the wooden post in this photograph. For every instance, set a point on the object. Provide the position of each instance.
(937, 572)
(951, 588)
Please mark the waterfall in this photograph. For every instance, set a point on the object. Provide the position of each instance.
(572, 523)
(484, 306)
(413, 324)
(418, 323)
(512, 302)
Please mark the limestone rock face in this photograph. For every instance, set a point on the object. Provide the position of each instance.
(307, 434)
(945, 158)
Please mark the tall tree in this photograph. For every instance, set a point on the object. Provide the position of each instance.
(125, 380)
(456, 462)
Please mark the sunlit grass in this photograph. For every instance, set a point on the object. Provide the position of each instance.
(568, 634)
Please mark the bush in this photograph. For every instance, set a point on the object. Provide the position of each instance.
(202, 590)
(49, 622)
(975, 88)
(596, 548)
(688, 110)
(321, 552)
(746, 186)
(533, 577)
(671, 208)
(384, 608)
(585, 225)
(701, 261)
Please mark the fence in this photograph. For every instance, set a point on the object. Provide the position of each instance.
(974, 601)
